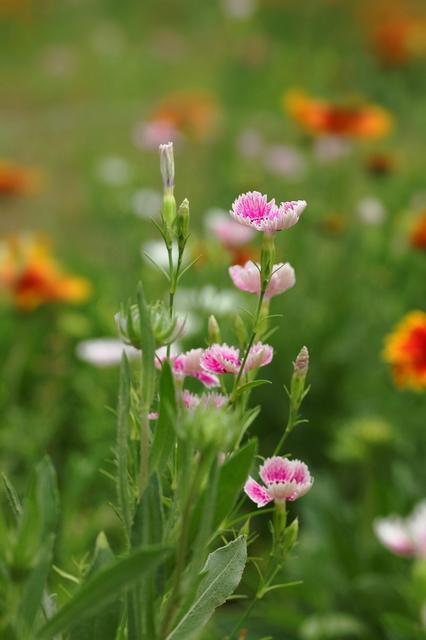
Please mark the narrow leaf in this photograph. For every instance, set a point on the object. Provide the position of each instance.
(123, 412)
(250, 385)
(12, 497)
(164, 435)
(103, 587)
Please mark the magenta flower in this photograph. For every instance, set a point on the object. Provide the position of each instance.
(259, 356)
(247, 278)
(190, 400)
(283, 480)
(252, 209)
(187, 364)
(221, 359)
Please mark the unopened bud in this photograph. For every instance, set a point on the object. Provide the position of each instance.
(301, 364)
(169, 216)
(183, 224)
(167, 166)
(213, 330)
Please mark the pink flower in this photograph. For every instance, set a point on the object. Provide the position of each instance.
(393, 534)
(404, 536)
(190, 400)
(221, 359)
(229, 233)
(252, 209)
(259, 356)
(187, 364)
(247, 278)
(283, 480)
(207, 400)
(154, 415)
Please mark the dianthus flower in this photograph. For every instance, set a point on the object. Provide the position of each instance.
(206, 400)
(221, 359)
(405, 351)
(283, 480)
(187, 364)
(247, 278)
(253, 210)
(259, 356)
(404, 536)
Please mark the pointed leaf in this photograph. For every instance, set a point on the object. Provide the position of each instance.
(123, 412)
(223, 571)
(164, 434)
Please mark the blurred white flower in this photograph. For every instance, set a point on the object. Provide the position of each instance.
(146, 203)
(208, 299)
(114, 171)
(104, 352)
(285, 161)
(371, 211)
(328, 149)
(156, 249)
(239, 9)
(404, 536)
(250, 143)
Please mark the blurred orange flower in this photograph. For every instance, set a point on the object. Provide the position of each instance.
(31, 277)
(398, 38)
(16, 180)
(193, 114)
(418, 233)
(318, 117)
(405, 351)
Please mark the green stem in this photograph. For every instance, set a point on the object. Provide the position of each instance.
(252, 337)
(292, 419)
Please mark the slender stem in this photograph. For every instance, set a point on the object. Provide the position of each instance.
(252, 337)
(242, 619)
(292, 418)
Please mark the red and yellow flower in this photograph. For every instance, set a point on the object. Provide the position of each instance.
(418, 233)
(405, 351)
(16, 180)
(30, 277)
(319, 117)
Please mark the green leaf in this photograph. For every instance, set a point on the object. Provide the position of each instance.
(223, 571)
(103, 587)
(147, 529)
(34, 586)
(39, 514)
(233, 475)
(250, 385)
(123, 412)
(12, 497)
(148, 348)
(103, 626)
(164, 435)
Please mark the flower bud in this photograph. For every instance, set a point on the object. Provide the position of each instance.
(183, 224)
(301, 364)
(167, 166)
(169, 216)
(164, 328)
(214, 336)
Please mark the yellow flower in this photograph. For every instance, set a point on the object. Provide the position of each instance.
(405, 351)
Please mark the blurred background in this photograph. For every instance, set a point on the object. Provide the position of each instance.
(322, 100)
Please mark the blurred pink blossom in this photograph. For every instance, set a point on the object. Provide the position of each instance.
(404, 536)
(247, 278)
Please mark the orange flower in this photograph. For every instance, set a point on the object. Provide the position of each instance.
(319, 117)
(398, 38)
(405, 351)
(15, 180)
(418, 233)
(193, 114)
(31, 277)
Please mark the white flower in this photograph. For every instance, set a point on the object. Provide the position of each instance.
(104, 352)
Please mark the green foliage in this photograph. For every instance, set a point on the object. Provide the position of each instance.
(222, 575)
(165, 431)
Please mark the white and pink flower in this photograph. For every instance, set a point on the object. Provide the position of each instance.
(259, 356)
(283, 479)
(220, 359)
(211, 400)
(187, 364)
(404, 536)
(247, 278)
(252, 209)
